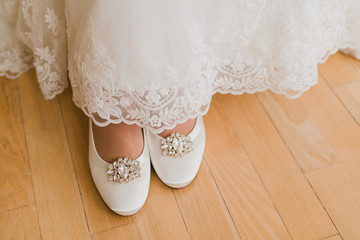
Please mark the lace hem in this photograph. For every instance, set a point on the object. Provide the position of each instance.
(34, 35)
(286, 64)
(15, 61)
(11, 75)
(298, 37)
(156, 127)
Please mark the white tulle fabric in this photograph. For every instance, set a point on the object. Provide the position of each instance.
(157, 63)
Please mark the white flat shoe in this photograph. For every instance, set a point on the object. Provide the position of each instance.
(177, 158)
(123, 185)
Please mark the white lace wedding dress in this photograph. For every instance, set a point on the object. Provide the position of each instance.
(158, 62)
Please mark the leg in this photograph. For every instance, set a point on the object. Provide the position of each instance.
(122, 140)
(183, 128)
(118, 140)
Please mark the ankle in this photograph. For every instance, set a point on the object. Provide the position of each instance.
(118, 140)
(182, 128)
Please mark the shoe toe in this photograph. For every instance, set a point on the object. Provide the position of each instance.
(124, 198)
(178, 172)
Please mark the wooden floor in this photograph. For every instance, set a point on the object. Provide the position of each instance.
(273, 168)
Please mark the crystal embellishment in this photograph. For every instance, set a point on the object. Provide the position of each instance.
(176, 145)
(124, 170)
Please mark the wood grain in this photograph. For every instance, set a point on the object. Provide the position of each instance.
(20, 223)
(337, 71)
(128, 232)
(347, 86)
(340, 196)
(58, 199)
(336, 125)
(15, 177)
(355, 62)
(203, 209)
(247, 200)
(38, 113)
(160, 217)
(297, 127)
(293, 197)
(59, 205)
(349, 95)
(336, 237)
(262, 153)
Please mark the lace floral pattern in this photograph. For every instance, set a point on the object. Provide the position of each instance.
(14, 61)
(241, 54)
(43, 43)
(189, 95)
(15, 58)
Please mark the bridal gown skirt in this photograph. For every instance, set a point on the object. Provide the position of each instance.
(158, 62)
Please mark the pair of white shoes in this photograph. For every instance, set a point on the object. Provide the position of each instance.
(124, 184)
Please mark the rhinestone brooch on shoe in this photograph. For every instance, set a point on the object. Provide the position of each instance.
(176, 145)
(124, 170)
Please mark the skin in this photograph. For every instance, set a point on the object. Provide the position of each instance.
(122, 140)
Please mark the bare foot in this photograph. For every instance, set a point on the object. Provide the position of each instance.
(118, 140)
(183, 128)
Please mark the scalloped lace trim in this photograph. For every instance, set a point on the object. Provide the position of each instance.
(44, 49)
(162, 107)
(190, 88)
(133, 107)
(15, 61)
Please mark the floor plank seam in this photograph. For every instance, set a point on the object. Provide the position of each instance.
(257, 172)
(109, 229)
(338, 234)
(279, 133)
(339, 82)
(137, 228)
(73, 165)
(17, 208)
(43, 130)
(181, 214)
(322, 204)
(222, 197)
(343, 104)
(303, 173)
(27, 152)
(349, 59)
(339, 99)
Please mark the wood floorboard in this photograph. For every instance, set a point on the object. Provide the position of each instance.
(128, 231)
(288, 188)
(273, 169)
(38, 114)
(20, 223)
(203, 209)
(160, 218)
(299, 130)
(341, 198)
(15, 177)
(247, 200)
(335, 237)
(347, 86)
(59, 206)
